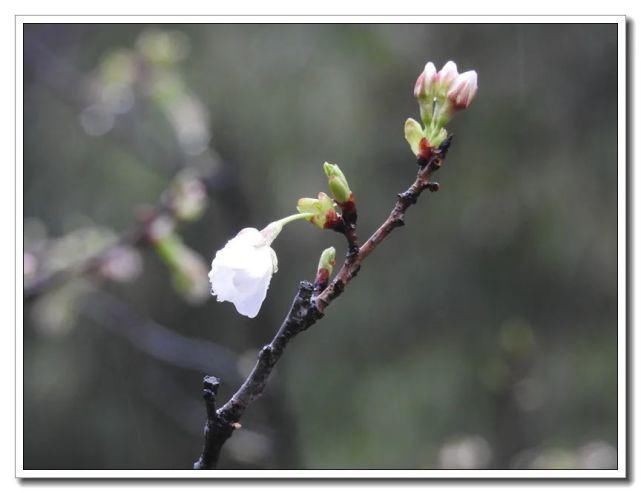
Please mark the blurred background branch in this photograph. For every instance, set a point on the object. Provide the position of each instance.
(184, 200)
(165, 345)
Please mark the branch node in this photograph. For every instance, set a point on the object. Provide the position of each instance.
(217, 429)
(352, 253)
(435, 163)
(433, 186)
(211, 384)
(320, 284)
(445, 146)
(266, 353)
(338, 287)
(408, 197)
(210, 391)
(354, 272)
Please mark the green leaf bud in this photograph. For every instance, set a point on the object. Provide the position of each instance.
(327, 260)
(337, 183)
(322, 208)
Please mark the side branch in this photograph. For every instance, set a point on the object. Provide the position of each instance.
(215, 432)
(308, 307)
(134, 238)
(351, 266)
(222, 423)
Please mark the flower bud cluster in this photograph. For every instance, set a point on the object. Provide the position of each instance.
(440, 95)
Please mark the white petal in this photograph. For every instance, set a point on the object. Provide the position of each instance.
(250, 302)
(239, 254)
(260, 262)
(242, 270)
(221, 280)
(250, 236)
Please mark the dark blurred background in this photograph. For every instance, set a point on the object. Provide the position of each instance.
(481, 335)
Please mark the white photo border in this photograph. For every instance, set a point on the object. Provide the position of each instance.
(622, 244)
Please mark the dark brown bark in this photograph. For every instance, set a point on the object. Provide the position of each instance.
(221, 423)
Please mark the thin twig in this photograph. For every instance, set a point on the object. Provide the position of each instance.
(136, 236)
(216, 434)
(221, 423)
(350, 267)
(306, 309)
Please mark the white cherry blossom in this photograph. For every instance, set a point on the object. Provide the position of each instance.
(242, 270)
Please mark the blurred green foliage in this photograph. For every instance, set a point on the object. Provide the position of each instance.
(483, 334)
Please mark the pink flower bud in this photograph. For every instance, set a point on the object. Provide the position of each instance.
(418, 86)
(463, 90)
(425, 81)
(448, 74)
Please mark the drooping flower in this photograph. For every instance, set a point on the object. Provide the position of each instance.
(242, 270)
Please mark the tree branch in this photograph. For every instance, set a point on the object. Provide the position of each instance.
(306, 309)
(216, 433)
(352, 264)
(135, 237)
(221, 423)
